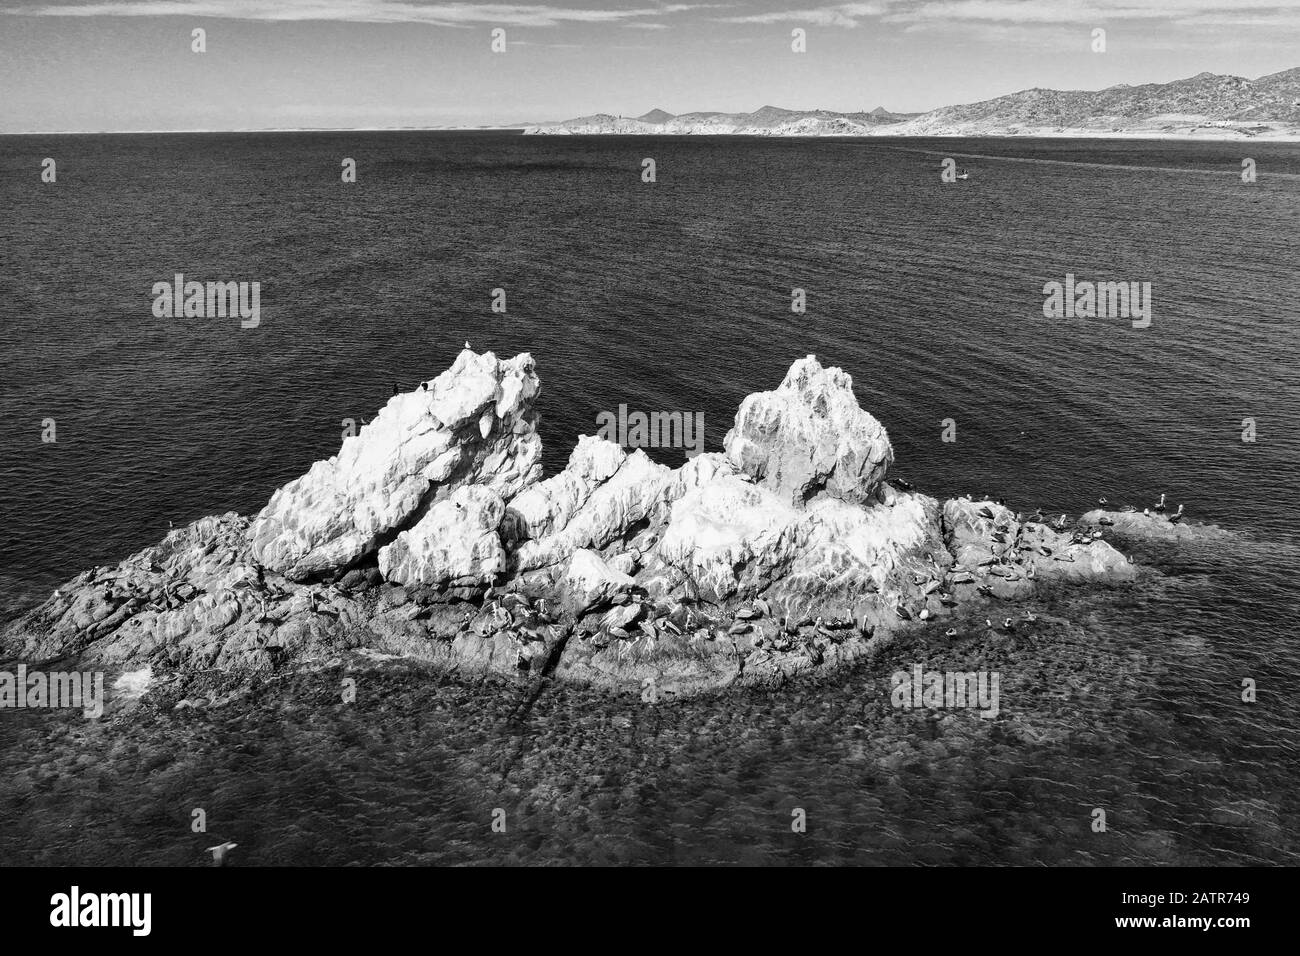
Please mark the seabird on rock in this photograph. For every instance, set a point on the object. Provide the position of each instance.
(1007, 624)
(467, 345)
(1177, 516)
(1160, 505)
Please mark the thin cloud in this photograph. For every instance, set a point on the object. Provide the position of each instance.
(839, 15)
(1031, 12)
(358, 11)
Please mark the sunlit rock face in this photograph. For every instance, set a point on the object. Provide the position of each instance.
(809, 436)
(473, 425)
(730, 536)
(456, 542)
(590, 581)
(600, 494)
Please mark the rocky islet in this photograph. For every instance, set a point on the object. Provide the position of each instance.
(433, 535)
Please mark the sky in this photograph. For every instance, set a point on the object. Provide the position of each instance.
(125, 65)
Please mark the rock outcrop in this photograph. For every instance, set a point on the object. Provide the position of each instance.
(591, 582)
(432, 535)
(456, 542)
(602, 494)
(1151, 526)
(809, 436)
(472, 425)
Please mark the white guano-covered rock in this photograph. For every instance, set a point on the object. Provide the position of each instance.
(589, 581)
(475, 424)
(602, 494)
(455, 541)
(729, 536)
(810, 436)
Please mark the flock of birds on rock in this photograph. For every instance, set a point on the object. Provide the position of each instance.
(1004, 552)
(1158, 508)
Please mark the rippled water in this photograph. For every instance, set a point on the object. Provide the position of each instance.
(675, 296)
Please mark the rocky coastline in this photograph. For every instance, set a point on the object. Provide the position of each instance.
(433, 536)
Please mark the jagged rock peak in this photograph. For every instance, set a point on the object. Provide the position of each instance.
(810, 436)
(473, 424)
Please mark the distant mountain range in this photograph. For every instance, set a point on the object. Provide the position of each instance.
(768, 121)
(1205, 105)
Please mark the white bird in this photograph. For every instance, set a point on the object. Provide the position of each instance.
(219, 852)
(467, 344)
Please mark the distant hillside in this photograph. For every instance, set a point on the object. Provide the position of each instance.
(1203, 105)
(1202, 102)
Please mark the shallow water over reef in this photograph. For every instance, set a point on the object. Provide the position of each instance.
(1107, 701)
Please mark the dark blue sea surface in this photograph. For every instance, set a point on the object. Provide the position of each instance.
(675, 296)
